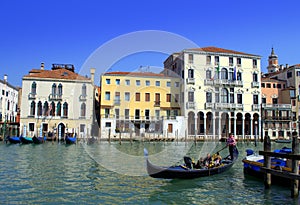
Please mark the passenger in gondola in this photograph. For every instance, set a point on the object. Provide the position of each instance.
(207, 160)
(231, 143)
(199, 164)
(217, 159)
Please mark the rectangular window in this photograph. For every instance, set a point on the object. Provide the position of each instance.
(176, 84)
(117, 113)
(168, 97)
(127, 96)
(231, 98)
(107, 81)
(208, 60)
(157, 83)
(170, 128)
(147, 114)
(255, 99)
(274, 85)
(126, 113)
(147, 97)
(217, 60)
(254, 63)
(31, 128)
(157, 99)
(208, 97)
(217, 99)
(239, 62)
(108, 124)
(176, 97)
(263, 100)
(118, 81)
(137, 97)
(107, 112)
(263, 85)
(268, 85)
(168, 84)
(147, 83)
(107, 95)
(191, 58)
(127, 82)
(138, 82)
(230, 61)
(289, 74)
(137, 114)
(117, 97)
(190, 96)
(239, 99)
(157, 114)
(279, 86)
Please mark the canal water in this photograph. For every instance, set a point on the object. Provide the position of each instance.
(115, 173)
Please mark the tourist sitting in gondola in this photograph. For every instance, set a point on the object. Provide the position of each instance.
(217, 159)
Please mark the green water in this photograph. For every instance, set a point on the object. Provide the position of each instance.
(104, 173)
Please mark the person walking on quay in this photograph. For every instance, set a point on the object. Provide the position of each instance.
(231, 142)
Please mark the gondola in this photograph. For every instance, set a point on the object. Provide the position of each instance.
(39, 140)
(26, 140)
(183, 172)
(283, 140)
(70, 140)
(13, 139)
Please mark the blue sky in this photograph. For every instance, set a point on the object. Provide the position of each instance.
(69, 31)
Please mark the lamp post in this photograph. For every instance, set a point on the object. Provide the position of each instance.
(255, 136)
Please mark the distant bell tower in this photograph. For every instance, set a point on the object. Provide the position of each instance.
(273, 62)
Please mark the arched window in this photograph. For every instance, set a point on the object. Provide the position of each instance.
(224, 73)
(32, 108)
(83, 110)
(60, 90)
(33, 88)
(58, 111)
(40, 109)
(46, 109)
(208, 74)
(52, 109)
(83, 90)
(224, 95)
(191, 73)
(53, 89)
(65, 110)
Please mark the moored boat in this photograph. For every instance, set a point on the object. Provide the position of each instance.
(279, 140)
(184, 172)
(70, 140)
(13, 139)
(39, 140)
(26, 140)
(254, 162)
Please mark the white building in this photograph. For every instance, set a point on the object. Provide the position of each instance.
(220, 91)
(8, 107)
(58, 101)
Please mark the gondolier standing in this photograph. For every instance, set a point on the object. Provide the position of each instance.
(231, 143)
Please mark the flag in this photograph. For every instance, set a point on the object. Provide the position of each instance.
(49, 111)
(234, 73)
(218, 68)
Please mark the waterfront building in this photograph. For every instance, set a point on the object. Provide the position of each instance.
(140, 104)
(8, 108)
(278, 105)
(291, 94)
(220, 91)
(57, 101)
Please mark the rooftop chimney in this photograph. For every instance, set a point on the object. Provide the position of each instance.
(5, 78)
(286, 65)
(42, 66)
(92, 71)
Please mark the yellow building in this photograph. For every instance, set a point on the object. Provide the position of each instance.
(140, 103)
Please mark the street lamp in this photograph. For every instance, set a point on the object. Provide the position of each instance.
(255, 136)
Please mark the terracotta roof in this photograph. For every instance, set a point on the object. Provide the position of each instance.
(56, 74)
(146, 74)
(220, 50)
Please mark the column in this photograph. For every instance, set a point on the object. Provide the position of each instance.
(204, 124)
(243, 127)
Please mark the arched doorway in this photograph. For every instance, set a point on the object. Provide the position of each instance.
(61, 131)
(191, 123)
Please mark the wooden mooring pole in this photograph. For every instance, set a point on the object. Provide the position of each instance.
(295, 166)
(267, 161)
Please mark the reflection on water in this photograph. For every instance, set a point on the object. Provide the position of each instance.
(58, 174)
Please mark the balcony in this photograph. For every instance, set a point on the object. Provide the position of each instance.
(31, 96)
(236, 83)
(208, 82)
(190, 80)
(255, 84)
(277, 106)
(55, 97)
(209, 105)
(117, 102)
(82, 97)
(255, 107)
(190, 105)
(156, 103)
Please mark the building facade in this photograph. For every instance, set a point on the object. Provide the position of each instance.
(8, 108)
(57, 101)
(220, 91)
(140, 103)
(278, 104)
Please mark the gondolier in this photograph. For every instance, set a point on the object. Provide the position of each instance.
(231, 143)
